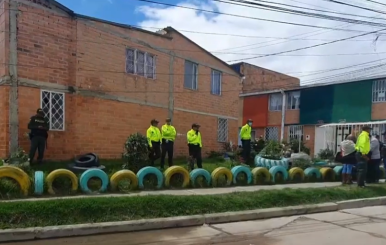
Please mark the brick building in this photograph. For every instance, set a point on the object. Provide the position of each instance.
(99, 82)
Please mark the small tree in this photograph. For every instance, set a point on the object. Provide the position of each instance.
(136, 155)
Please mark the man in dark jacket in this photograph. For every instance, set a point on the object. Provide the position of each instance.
(39, 127)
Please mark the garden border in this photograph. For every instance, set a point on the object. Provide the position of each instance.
(12, 235)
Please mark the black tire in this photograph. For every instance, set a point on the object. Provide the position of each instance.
(97, 161)
(85, 161)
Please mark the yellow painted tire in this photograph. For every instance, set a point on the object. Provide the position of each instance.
(121, 175)
(61, 173)
(264, 173)
(218, 172)
(18, 175)
(293, 172)
(169, 172)
(328, 174)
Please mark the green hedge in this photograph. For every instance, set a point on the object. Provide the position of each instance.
(23, 214)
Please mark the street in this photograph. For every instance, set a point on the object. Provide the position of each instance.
(351, 227)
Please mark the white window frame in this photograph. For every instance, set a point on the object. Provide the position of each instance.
(50, 117)
(220, 129)
(146, 56)
(213, 85)
(379, 91)
(267, 129)
(278, 100)
(293, 132)
(194, 82)
(292, 101)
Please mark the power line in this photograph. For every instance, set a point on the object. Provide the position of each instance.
(308, 47)
(376, 2)
(355, 6)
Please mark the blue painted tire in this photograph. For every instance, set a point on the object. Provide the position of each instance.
(309, 172)
(321, 163)
(338, 171)
(150, 170)
(268, 163)
(93, 173)
(241, 169)
(39, 183)
(278, 169)
(200, 172)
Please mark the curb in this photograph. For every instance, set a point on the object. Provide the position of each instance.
(12, 235)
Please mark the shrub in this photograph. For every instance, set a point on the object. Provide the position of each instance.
(301, 163)
(294, 144)
(326, 154)
(136, 155)
(273, 151)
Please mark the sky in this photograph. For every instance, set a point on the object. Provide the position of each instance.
(244, 38)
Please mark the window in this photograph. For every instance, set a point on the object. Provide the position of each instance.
(293, 100)
(295, 132)
(275, 102)
(222, 130)
(52, 104)
(379, 91)
(216, 82)
(140, 63)
(191, 73)
(272, 133)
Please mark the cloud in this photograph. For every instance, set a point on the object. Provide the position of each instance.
(300, 65)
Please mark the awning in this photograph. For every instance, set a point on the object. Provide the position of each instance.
(353, 124)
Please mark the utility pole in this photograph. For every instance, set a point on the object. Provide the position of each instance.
(171, 87)
(13, 91)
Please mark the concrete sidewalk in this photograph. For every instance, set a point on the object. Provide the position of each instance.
(189, 192)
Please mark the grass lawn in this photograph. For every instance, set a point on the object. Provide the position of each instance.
(90, 210)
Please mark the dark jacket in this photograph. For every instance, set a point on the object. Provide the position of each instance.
(39, 126)
(348, 159)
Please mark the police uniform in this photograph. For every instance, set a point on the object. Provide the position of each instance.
(154, 138)
(195, 144)
(245, 136)
(169, 134)
(363, 148)
(39, 127)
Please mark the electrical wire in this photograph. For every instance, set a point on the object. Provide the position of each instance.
(376, 2)
(355, 6)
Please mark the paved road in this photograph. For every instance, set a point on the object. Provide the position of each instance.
(347, 227)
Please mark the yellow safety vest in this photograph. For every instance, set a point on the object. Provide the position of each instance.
(363, 143)
(169, 132)
(245, 132)
(193, 138)
(153, 134)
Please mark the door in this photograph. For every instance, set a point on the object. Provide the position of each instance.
(319, 143)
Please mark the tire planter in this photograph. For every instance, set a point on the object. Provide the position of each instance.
(200, 172)
(328, 174)
(261, 175)
(268, 163)
(39, 183)
(85, 161)
(241, 170)
(94, 173)
(177, 170)
(121, 175)
(61, 173)
(311, 173)
(150, 170)
(18, 175)
(276, 170)
(338, 172)
(294, 172)
(321, 163)
(218, 172)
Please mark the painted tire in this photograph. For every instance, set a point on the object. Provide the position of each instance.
(326, 172)
(200, 172)
(61, 173)
(261, 175)
(278, 169)
(338, 172)
(321, 163)
(383, 173)
(93, 173)
(241, 169)
(268, 163)
(309, 172)
(18, 175)
(293, 172)
(121, 175)
(169, 172)
(150, 170)
(221, 171)
(39, 183)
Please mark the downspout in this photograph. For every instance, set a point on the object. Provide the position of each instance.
(282, 116)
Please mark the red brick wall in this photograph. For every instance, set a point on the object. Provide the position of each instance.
(4, 37)
(260, 79)
(91, 56)
(4, 121)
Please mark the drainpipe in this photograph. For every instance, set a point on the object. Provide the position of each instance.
(282, 115)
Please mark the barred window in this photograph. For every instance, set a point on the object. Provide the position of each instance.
(222, 130)
(140, 63)
(53, 105)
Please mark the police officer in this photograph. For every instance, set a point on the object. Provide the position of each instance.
(168, 137)
(363, 148)
(154, 140)
(195, 144)
(245, 136)
(39, 127)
